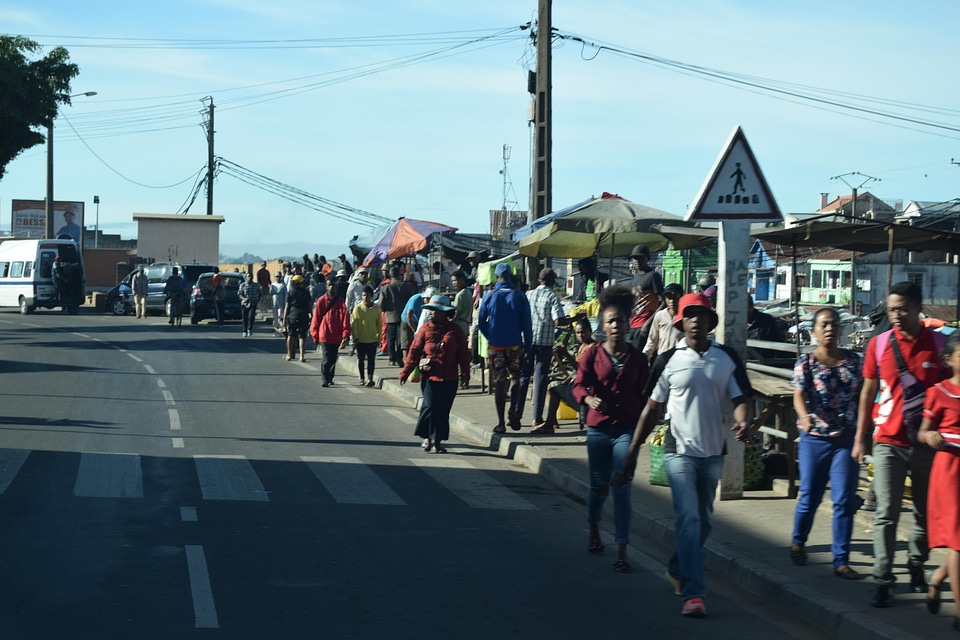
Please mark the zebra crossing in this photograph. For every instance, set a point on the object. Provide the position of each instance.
(234, 478)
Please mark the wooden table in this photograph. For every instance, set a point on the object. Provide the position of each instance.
(774, 398)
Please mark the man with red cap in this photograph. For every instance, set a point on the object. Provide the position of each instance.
(693, 380)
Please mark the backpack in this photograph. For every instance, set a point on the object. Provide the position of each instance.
(911, 388)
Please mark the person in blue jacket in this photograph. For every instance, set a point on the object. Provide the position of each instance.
(504, 320)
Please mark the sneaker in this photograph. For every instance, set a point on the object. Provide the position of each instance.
(918, 579)
(674, 582)
(694, 608)
(883, 598)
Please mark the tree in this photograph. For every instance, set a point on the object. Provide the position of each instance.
(31, 92)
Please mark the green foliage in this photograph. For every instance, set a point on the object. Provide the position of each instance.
(31, 91)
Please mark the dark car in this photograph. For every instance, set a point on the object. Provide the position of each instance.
(120, 297)
(201, 297)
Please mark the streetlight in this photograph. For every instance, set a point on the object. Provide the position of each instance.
(96, 229)
(49, 204)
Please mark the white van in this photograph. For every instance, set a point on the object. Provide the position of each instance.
(41, 273)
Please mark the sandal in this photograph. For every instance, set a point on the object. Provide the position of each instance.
(622, 566)
(596, 548)
(798, 555)
(544, 429)
(425, 445)
(933, 597)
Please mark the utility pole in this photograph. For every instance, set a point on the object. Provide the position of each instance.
(542, 121)
(853, 215)
(208, 123)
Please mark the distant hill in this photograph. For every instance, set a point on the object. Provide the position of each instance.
(249, 253)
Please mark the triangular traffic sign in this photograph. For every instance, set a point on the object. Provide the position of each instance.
(735, 188)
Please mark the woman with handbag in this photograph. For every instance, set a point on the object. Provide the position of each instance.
(826, 395)
(610, 379)
(439, 349)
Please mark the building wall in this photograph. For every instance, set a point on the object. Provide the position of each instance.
(103, 268)
(173, 238)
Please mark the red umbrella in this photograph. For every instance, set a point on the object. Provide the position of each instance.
(404, 237)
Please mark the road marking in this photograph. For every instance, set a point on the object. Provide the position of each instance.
(135, 358)
(260, 351)
(177, 443)
(109, 475)
(82, 335)
(10, 462)
(30, 324)
(403, 417)
(149, 369)
(188, 514)
(174, 419)
(471, 485)
(353, 390)
(168, 397)
(204, 609)
(350, 481)
(229, 478)
(161, 383)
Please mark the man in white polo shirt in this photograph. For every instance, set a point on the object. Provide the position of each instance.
(693, 380)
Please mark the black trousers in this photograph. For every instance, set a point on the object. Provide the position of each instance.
(434, 419)
(393, 343)
(328, 359)
(249, 317)
(366, 355)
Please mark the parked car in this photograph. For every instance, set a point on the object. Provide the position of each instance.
(120, 297)
(201, 297)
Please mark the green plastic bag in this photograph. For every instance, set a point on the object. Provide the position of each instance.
(658, 469)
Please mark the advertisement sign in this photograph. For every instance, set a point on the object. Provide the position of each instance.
(30, 219)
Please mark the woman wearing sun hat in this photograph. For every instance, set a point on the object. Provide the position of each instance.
(440, 350)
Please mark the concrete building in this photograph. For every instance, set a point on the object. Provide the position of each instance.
(165, 237)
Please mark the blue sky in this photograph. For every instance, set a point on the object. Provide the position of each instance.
(425, 140)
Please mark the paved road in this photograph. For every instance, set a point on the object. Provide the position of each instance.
(157, 482)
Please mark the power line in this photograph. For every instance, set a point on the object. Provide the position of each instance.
(299, 196)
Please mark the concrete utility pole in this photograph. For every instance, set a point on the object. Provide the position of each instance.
(49, 225)
(542, 124)
(853, 216)
(210, 132)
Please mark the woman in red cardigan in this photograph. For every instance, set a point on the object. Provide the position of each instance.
(610, 379)
(439, 349)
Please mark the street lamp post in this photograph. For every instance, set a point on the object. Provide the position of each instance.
(49, 204)
(96, 228)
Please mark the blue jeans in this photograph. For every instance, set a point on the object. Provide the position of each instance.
(693, 484)
(823, 459)
(606, 451)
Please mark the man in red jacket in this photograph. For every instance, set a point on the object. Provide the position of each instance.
(330, 328)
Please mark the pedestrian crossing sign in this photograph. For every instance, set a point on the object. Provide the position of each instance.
(735, 189)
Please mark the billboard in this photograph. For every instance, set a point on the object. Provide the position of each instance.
(30, 219)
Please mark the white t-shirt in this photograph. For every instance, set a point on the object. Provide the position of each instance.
(695, 389)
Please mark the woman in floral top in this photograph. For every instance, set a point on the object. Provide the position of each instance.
(827, 389)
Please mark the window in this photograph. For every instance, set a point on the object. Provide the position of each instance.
(4, 269)
(816, 279)
(28, 268)
(16, 270)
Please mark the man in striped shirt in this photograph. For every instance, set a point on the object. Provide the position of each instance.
(249, 295)
(546, 314)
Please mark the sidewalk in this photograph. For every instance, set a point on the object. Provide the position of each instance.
(750, 539)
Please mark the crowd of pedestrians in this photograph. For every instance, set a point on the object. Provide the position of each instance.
(651, 359)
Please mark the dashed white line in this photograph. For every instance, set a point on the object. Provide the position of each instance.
(161, 383)
(149, 369)
(168, 397)
(177, 443)
(401, 416)
(135, 358)
(188, 514)
(174, 419)
(82, 335)
(30, 324)
(204, 609)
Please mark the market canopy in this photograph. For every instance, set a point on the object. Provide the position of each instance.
(403, 237)
(870, 237)
(608, 226)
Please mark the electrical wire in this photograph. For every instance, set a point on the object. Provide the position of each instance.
(299, 196)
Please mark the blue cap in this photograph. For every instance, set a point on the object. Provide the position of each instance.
(503, 269)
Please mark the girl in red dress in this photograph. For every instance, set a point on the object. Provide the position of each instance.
(941, 431)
